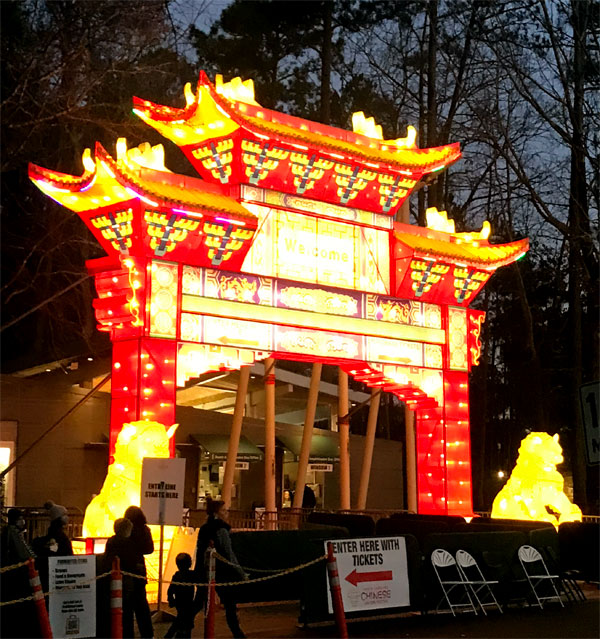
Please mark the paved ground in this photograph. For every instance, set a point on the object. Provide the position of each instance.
(576, 621)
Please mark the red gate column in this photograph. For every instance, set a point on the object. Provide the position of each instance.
(143, 383)
(457, 454)
(431, 466)
(137, 305)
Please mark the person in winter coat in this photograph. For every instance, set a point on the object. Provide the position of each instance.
(55, 543)
(141, 537)
(121, 546)
(216, 530)
(18, 619)
(181, 597)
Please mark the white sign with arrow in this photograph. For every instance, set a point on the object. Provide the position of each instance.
(373, 573)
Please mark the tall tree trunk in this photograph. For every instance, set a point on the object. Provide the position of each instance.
(433, 198)
(578, 215)
(326, 57)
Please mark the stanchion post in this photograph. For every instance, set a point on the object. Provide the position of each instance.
(161, 549)
(209, 616)
(336, 593)
(116, 600)
(38, 600)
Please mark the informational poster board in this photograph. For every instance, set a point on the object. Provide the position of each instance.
(73, 596)
(373, 573)
(162, 490)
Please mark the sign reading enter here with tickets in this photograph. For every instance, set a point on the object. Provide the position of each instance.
(73, 596)
(162, 490)
(373, 573)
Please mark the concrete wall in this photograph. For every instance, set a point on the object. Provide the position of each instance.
(60, 467)
(64, 466)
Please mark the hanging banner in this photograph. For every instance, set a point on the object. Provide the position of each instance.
(373, 573)
(73, 596)
(162, 490)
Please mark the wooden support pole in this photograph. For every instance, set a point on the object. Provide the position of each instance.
(270, 506)
(234, 436)
(344, 430)
(411, 459)
(309, 422)
(365, 473)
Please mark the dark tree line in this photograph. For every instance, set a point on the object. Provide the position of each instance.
(515, 81)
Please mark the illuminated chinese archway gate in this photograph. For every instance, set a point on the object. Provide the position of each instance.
(286, 248)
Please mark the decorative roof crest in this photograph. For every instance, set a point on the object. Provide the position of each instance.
(237, 90)
(438, 221)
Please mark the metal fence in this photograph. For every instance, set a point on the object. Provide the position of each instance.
(37, 521)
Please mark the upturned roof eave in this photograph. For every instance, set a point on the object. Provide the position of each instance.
(146, 187)
(466, 254)
(371, 151)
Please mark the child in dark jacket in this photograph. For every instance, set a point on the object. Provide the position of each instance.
(182, 597)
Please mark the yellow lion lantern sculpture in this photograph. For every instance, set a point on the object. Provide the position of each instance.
(121, 487)
(535, 489)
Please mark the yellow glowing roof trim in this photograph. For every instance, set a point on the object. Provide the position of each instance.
(366, 126)
(486, 256)
(438, 221)
(106, 181)
(144, 155)
(397, 157)
(236, 89)
(204, 118)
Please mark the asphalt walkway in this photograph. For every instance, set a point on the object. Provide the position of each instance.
(577, 621)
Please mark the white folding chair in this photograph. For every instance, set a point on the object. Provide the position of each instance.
(451, 582)
(538, 576)
(480, 586)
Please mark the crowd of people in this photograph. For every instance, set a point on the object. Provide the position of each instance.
(130, 543)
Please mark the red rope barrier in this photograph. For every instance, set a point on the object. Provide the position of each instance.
(38, 600)
(336, 593)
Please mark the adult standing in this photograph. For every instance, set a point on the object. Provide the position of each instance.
(216, 531)
(121, 546)
(55, 543)
(18, 619)
(141, 539)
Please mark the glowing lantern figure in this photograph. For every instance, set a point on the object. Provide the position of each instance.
(534, 490)
(122, 485)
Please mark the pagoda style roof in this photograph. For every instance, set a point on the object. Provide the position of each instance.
(207, 106)
(231, 139)
(426, 244)
(135, 206)
(107, 181)
(436, 264)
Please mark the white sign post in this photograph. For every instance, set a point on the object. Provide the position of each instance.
(373, 573)
(163, 479)
(73, 596)
(590, 409)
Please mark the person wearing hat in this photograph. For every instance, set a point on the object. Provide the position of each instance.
(18, 619)
(55, 511)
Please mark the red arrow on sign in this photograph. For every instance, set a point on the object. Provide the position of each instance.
(356, 577)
